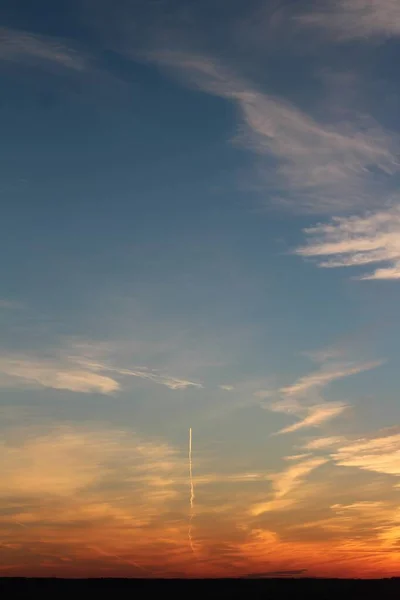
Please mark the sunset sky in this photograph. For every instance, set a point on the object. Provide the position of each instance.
(200, 230)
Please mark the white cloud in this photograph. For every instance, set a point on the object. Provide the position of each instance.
(358, 241)
(326, 375)
(173, 383)
(316, 416)
(21, 46)
(77, 374)
(379, 454)
(26, 371)
(356, 19)
(302, 399)
(226, 388)
(315, 165)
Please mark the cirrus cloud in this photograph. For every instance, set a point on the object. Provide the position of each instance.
(311, 165)
(21, 370)
(284, 482)
(358, 241)
(380, 454)
(356, 19)
(78, 374)
(303, 398)
(23, 46)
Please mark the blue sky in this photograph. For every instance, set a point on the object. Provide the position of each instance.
(200, 228)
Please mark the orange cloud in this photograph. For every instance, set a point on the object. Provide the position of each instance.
(380, 454)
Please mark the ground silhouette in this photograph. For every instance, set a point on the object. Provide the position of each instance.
(298, 588)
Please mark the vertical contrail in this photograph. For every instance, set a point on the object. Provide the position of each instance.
(191, 491)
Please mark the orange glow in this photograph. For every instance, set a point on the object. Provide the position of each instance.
(104, 503)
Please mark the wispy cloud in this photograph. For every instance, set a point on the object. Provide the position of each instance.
(284, 482)
(154, 375)
(323, 442)
(327, 374)
(303, 398)
(22, 46)
(170, 382)
(313, 165)
(355, 19)
(297, 456)
(16, 371)
(77, 373)
(380, 454)
(357, 242)
(287, 480)
(64, 467)
(375, 521)
(316, 416)
(247, 477)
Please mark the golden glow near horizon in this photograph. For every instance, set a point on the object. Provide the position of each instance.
(90, 501)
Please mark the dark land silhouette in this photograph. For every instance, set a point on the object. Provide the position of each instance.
(250, 588)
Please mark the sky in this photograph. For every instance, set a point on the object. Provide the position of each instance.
(200, 282)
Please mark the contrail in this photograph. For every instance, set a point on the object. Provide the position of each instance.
(191, 492)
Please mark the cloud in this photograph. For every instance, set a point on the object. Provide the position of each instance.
(313, 165)
(324, 442)
(378, 517)
(77, 493)
(82, 484)
(297, 456)
(226, 388)
(154, 375)
(89, 499)
(21, 46)
(217, 478)
(170, 382)
(17, 370)
(303, 399)
(355, 19)
(316, 416)
(78, 373)
(357, 242)
(327, 374)
(58, 463)
(366, 507)
(68, 461)
(285, 482)
(379, 454)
